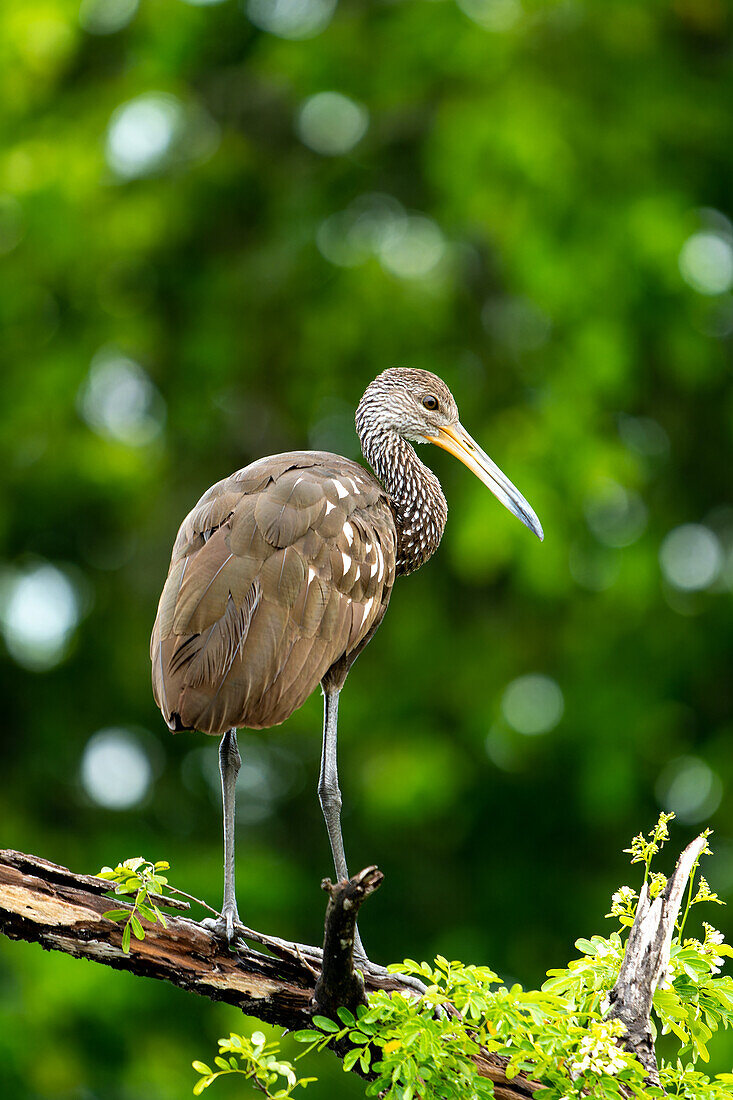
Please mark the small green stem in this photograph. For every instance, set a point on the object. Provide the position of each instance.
(681, 924)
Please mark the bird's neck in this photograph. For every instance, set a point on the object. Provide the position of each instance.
(419, 506)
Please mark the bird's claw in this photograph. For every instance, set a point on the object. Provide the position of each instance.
(225, 927)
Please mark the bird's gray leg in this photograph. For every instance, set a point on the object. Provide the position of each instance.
(329, 793)
(229, 764)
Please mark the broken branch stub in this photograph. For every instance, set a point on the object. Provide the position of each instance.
(647, 958)
(339, 984)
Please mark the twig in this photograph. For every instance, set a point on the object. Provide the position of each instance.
(190, 897)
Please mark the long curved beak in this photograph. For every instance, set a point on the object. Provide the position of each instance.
(455, 439)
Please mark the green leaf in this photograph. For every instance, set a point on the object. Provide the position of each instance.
(160, 916)
(137, 929)
(325, 1024)
(126, 939)
(116, 914)
(350, 1059)
(586, 947)
(201, 1067)
(304, 1036)
(345, 1016)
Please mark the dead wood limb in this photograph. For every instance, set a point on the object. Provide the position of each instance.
(647, 958)
(339, 983)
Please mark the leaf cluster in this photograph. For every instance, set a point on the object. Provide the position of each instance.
(139, 878)
(256, 1059)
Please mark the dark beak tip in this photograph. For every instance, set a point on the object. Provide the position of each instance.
(530, 520)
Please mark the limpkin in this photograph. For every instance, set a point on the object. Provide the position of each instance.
(281, 574)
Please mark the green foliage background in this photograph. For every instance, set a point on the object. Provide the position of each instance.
(566, 158)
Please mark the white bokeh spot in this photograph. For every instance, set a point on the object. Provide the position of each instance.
(106, 16)
(691, 557)
(690, 789)
(141, 133)
(115, 769)
(706, 263)
(39, 611)
(532, 704)
(409, 246)
(413, 248)
(119, 401)
(492, 15)
(331, 124)
(294, 19)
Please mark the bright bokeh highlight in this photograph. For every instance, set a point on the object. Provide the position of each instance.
(106, 16)
(115, 769)
(691, 557)
(331, 123)
(39, 611)
(690, 788)
(291, 18)
(493, 15)
(706, 263)
(409, 246)
(120, 402)
(533, 704)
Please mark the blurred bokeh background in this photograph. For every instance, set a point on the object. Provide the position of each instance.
(218, 221)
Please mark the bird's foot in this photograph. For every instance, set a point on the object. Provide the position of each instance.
(226, 927)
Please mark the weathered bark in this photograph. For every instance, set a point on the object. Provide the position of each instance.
(338, 983)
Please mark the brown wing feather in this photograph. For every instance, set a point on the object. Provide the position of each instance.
(280, 573)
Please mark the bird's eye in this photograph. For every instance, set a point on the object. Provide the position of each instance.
(430, 402)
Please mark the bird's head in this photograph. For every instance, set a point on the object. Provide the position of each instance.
(418, 406)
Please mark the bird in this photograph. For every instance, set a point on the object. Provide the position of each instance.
(282, 573)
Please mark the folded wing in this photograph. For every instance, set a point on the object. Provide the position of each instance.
(278, 573)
